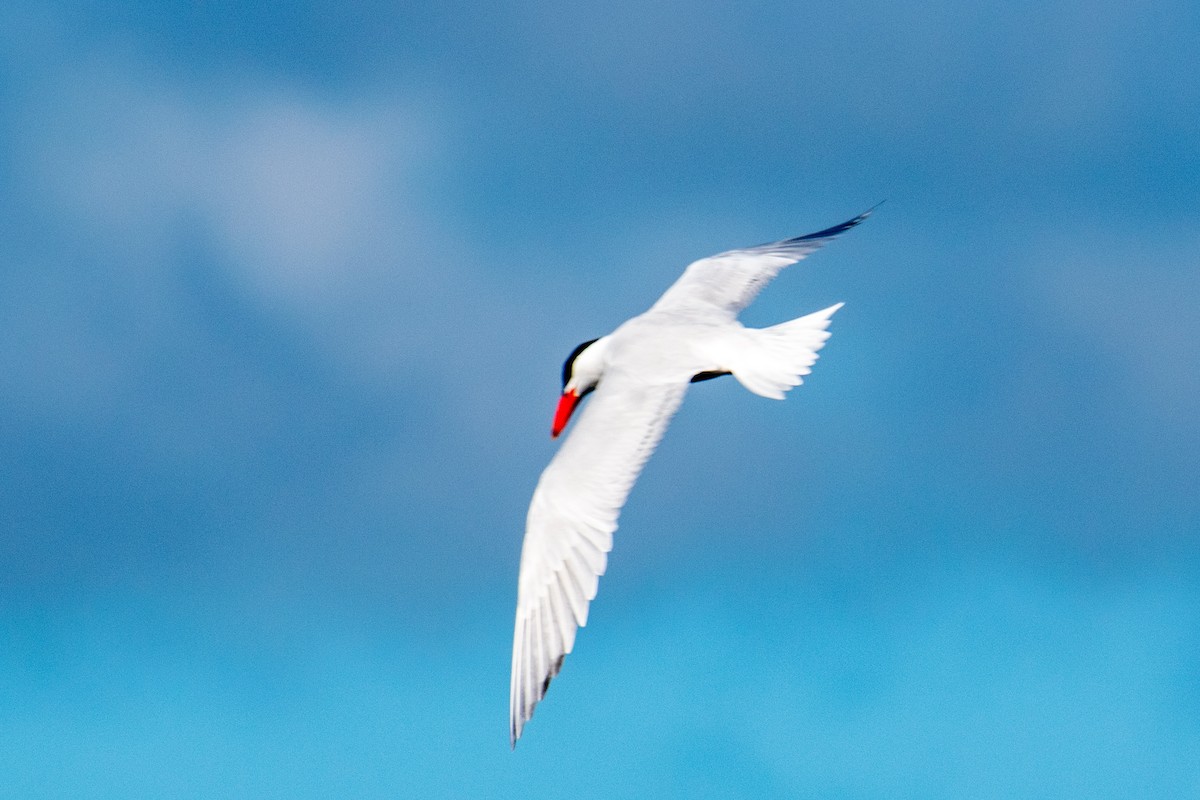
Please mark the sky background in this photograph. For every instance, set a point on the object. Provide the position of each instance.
(285, 291)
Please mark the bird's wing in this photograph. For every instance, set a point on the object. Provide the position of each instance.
(726, 283)
(568, 532)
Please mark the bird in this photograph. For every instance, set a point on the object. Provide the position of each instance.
(635, 379)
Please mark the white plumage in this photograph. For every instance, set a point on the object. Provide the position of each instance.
(637, 377)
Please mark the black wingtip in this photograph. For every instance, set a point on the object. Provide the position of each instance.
(829, 233)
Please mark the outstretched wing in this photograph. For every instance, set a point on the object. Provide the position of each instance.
(728, 282)
(569, 529)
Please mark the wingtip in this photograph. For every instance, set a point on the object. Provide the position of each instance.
(867, 213)
(841, 228)
(514, 732)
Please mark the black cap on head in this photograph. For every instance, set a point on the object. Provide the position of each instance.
(566, 373)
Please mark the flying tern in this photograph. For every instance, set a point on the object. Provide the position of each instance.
(637, 377)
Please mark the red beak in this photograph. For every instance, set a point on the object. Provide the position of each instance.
(566, 404)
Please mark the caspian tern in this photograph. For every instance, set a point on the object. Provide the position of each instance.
(637, 376)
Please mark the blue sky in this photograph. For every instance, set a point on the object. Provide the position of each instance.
(286, 292)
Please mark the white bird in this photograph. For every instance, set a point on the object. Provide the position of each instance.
(637, 376)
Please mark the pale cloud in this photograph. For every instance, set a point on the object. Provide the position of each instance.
(308, 200)
(320, 214)
(316, 210)
(299, 195)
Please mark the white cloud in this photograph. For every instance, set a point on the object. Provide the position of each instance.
(321, 214)
(301, 196)
(317, 210)
(306, 199)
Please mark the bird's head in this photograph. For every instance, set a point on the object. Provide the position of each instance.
(581, 374)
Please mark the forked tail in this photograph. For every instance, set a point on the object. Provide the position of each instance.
(775, 359)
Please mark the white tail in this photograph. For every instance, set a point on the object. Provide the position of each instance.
(775, 359)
